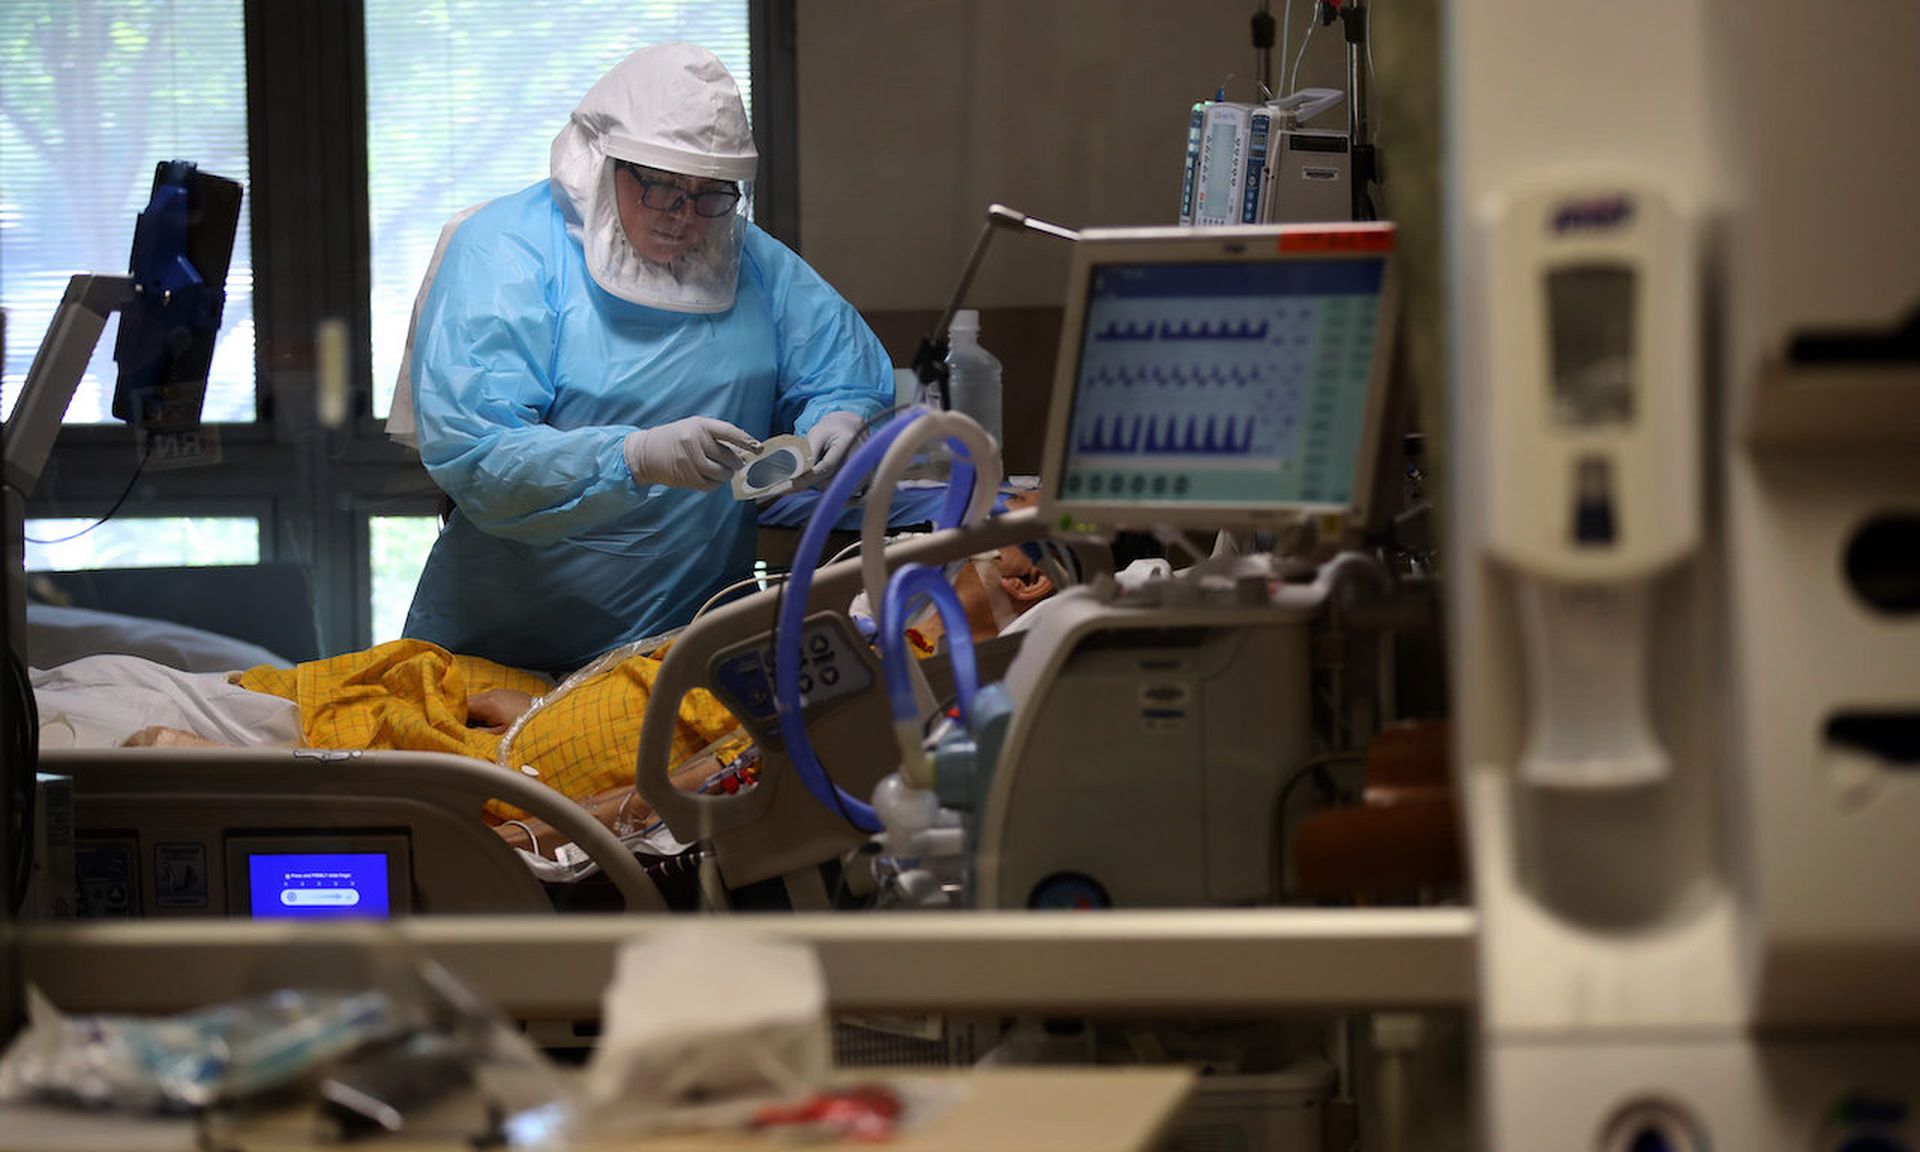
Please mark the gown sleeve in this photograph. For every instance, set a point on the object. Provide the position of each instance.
(830, 360)
(483, 384)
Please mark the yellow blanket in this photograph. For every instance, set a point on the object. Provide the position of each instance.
(412, 695)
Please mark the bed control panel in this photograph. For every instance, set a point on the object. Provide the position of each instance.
(835, 666)
(364, 876)
(290, 876)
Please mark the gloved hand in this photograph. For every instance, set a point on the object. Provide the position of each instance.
(831, 439)
(697, 452)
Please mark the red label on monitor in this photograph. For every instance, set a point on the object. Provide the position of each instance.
(1338, 240)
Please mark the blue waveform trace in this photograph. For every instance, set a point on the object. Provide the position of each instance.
(1169, 434)
(1115, 330)
(1224, 330)
(1202, 374)
(1118, 331)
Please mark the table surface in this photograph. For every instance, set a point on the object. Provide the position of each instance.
(998, 1109)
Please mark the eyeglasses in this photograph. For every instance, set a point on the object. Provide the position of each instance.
(666, 196)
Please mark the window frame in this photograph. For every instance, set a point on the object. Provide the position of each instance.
(256, 509)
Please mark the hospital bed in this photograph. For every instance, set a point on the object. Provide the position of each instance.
(172, 832)
(168, 832)
(179, 832)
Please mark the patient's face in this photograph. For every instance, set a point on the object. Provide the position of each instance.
(1022, 579)
(996, 592)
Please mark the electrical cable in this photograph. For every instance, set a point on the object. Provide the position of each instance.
(672, 874)
(737, 585)
(1293, 78)
(1314, 769)
(1286, 40)
(533, 837)
(1371, 29)
(138, 470)
(844, 552)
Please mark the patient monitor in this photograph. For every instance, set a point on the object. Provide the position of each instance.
(1221, 379)
(1225, 378)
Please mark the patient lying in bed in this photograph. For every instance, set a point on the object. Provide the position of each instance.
(407, 694)
(415, 696)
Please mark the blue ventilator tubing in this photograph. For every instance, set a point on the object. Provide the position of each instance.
(959, 486)
(907, 586)
(793, 607)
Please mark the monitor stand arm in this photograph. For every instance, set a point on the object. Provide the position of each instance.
(930, 360)
(27, 439)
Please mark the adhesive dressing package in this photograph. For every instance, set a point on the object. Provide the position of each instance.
(773, 470)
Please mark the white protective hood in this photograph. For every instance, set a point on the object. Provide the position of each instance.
(673, 107)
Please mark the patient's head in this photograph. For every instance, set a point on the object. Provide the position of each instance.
(996, 588)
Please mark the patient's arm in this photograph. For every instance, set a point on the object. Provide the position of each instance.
(496, 708)
(160, 736)
(621, 809)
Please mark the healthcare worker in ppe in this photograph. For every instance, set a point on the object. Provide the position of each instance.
(590, 358)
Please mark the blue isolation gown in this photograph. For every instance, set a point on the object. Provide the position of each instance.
(528, 376)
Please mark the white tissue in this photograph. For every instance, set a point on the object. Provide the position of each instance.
(698, 1016)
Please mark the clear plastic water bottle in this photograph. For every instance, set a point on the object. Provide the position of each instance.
(973, 374)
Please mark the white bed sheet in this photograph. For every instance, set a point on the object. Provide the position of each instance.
(99, 701)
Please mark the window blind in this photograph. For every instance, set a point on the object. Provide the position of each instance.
(464, 97)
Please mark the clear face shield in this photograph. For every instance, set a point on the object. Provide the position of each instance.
(674, 240)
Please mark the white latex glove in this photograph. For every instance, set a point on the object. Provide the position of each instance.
(697, 452)
(831, 439)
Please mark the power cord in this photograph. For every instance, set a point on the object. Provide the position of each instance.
(737, 586)
(1314, 769)
(138, 470)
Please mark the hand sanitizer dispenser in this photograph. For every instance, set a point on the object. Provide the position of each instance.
(1593, 460)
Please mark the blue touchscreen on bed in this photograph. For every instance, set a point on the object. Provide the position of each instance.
(318, 885)
(1231, 382)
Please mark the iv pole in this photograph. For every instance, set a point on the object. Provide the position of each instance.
(1353, 20)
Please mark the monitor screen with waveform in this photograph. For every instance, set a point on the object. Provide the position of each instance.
(1243, 382)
